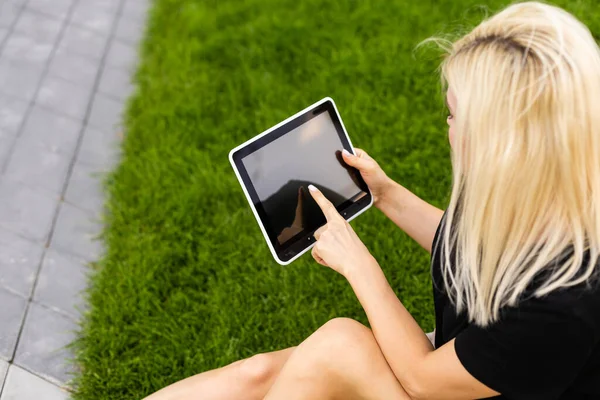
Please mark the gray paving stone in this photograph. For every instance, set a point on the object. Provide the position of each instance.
(129, 30)
(116, 82)
(94, 18)
(26, 211)
(19, 262)
(111, 6)
(6, 142)
(40, 27)
(106, 114)
(23, 385)
(3, 371)
(61, 283)
(12, 113)
(122, 55)
(23, 48)
(37, 166)
(11, 315)
(66, 98)
(74, 68)
(99, 148)
(85, 187)
(3, 33)
(76, 233)
(56, 8)
(8, 13)
(106, 6)
(42, 344)
(136, 9)
(52, 131)
(83, 42)
(19, 79)
(19, 3)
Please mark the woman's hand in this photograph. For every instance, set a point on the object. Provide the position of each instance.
(338, 247)
(374, 176)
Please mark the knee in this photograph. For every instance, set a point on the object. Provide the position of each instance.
(340, 339)
(257, 369)
(343, 331)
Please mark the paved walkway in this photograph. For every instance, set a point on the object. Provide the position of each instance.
(65, 69)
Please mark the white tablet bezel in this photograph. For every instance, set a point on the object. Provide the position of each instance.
(247, 194)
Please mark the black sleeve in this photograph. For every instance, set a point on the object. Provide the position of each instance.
(533, 352)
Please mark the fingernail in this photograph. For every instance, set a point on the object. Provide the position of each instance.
(346, 152)
(312, 188)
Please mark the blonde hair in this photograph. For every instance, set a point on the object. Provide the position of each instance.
(526, 159)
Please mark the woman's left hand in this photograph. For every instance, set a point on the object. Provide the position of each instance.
(338, 247)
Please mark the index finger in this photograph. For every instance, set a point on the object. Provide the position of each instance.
(326, 206)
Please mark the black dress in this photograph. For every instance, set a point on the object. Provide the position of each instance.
(546, 348)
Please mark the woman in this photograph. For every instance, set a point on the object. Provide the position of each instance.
(517, 299)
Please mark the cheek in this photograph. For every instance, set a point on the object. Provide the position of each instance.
(451, 135)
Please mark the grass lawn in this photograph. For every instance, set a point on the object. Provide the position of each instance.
(188, 283)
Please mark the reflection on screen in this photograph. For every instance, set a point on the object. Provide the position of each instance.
(282, 170)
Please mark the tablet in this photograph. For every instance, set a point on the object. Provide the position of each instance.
(276, 167)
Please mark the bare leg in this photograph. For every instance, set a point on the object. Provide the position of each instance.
(250, 378)
(341, 360)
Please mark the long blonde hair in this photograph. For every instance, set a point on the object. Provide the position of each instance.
(526, 159)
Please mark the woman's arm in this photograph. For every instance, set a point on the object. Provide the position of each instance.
(424, 373)
(413, 215)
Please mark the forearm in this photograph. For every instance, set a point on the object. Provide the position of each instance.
(413, 215)
(401, 339)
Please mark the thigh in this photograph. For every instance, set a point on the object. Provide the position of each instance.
(342, 360)
(361, 365)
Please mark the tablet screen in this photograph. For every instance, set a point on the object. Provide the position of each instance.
(281, 171)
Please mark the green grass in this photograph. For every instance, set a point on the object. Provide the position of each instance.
(188, 283)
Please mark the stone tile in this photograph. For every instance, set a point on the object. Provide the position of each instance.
(54, 132)
(19, 79)
(106, 114)
(89, 16)
(6, 143)
(42, 344)
(12, 113)
(19, 262)
(61, 283)
(37, 166)
(74, 68)
(23, 385)
(3, 371)
(8, 14)
(19, 3)
(55, 8)
(85, 188)
(83, 42)
(99, 148)
(26, 211)
(23, 48)
(111, 6)
(122, 55)
(40, 27)
(64, 97)
(129, 30)
(11, 315)
(3, 33)
(136, 9)
(116, 82)
(76, 233)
